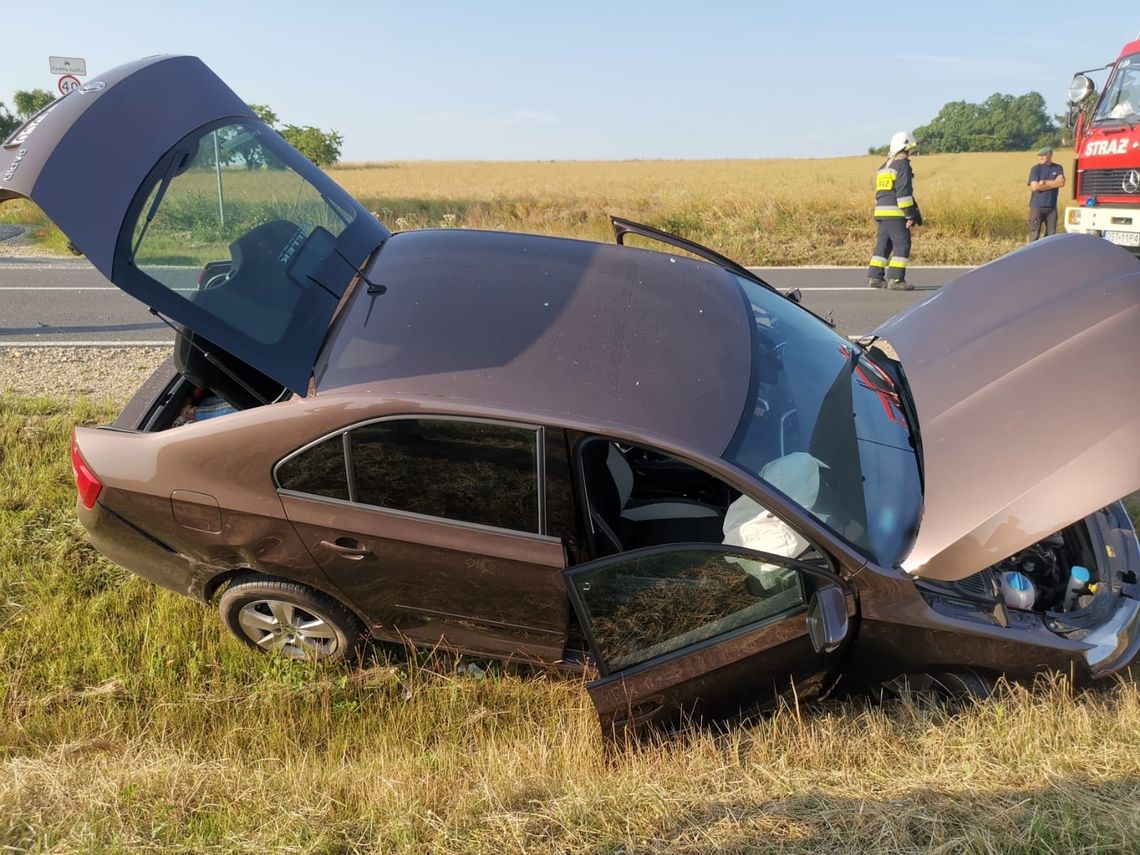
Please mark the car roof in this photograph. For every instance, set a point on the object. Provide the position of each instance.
(567, 331)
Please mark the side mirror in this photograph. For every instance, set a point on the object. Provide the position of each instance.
(827, 619)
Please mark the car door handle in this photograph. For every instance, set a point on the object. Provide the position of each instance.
(347, 547)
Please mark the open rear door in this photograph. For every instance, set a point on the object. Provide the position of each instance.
(699, 631)
(180, 196)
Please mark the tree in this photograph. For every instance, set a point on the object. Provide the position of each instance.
(264, 113)
(8, 122)
(1000, 123)
(28, 102)
(321, 147)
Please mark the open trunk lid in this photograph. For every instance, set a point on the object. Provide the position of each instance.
(178, 194)
(1023, 374)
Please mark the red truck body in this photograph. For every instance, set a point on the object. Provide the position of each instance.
(1106, 187)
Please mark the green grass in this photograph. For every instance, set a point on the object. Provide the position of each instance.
(130, 721)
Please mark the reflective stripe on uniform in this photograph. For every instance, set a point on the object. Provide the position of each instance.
(906, 201)
(888, 211)
(898, 262)
(878, 261)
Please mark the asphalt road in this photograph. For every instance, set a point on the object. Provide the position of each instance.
(66, 301)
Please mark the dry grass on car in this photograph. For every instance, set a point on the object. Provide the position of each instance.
(130, 721)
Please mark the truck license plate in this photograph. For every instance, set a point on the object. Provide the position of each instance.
(1123, 238)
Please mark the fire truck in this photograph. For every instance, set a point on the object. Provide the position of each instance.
(1107, 146)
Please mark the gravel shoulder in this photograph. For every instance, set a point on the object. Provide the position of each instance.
(101, 373)
(17, 240)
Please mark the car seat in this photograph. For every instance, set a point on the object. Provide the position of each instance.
(621, 523)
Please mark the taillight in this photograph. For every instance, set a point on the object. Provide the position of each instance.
(85, 481)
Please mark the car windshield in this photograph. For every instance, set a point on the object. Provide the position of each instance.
(825, 426)
(1121, 99)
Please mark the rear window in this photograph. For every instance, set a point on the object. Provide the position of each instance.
(230, 226)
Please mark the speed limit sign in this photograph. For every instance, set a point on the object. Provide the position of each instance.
(68, 82)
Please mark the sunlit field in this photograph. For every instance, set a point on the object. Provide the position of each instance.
(765, 212)
(129, 721)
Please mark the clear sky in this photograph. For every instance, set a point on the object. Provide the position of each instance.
(590, 80)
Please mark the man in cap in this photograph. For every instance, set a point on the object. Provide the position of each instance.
(1044, 180)
(896, 213)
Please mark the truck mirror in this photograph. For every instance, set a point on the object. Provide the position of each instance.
(1080, 89)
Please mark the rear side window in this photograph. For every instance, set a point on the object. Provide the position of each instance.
(319, 470)
(468, 471)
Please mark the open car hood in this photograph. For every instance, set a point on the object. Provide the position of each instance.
(178, 194)
(1023, 374)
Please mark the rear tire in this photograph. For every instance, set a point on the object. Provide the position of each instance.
(290, 620)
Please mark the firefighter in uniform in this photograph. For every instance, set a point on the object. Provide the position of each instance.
(896, 213)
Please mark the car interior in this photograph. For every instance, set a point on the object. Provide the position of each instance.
(638, 498)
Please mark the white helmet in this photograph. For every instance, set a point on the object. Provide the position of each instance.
(902, 141)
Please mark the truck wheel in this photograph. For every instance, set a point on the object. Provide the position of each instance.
(290, 620)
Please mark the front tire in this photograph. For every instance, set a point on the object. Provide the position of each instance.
(290, 620)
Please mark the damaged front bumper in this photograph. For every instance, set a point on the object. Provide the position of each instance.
(1116, 642)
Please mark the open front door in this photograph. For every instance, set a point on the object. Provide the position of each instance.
(698, 631)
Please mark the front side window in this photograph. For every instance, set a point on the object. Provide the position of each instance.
(646, 605)
(1121, 98)
(468, 471)
(228, 224)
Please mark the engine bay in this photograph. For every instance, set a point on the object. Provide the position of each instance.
(1067, 579)
(1057, 574)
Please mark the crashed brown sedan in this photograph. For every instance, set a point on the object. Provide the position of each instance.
(639, 463)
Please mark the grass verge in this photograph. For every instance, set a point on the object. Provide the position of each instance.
(129, 721)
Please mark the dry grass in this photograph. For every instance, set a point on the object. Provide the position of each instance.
(502, 766)
(757, 211)
(129, 721)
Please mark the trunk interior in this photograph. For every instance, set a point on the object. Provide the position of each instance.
(209, 383)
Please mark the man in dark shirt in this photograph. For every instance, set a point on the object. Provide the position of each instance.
(1044, 180)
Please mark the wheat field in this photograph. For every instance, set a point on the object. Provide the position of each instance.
(763, 212)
